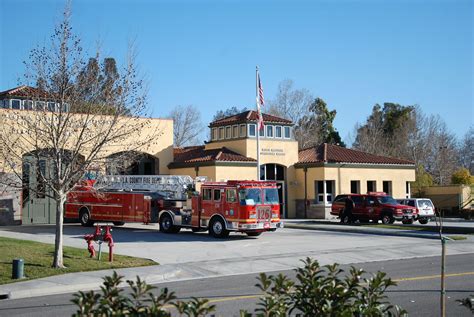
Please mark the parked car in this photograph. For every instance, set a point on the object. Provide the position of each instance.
(425, 209)
(373, 206)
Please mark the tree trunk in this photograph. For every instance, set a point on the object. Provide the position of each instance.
(58, 241)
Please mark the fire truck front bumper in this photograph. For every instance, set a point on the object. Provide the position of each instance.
(259, 226)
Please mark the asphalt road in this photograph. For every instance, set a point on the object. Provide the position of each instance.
(417, 290)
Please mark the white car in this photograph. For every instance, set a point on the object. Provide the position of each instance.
(425, 209)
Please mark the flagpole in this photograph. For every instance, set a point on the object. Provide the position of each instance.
(257, 126)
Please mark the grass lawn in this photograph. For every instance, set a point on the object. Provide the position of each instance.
(38, 258)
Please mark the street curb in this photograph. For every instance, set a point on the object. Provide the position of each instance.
(387, 232)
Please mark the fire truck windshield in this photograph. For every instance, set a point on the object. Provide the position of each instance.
(250, 196)
(271, 196)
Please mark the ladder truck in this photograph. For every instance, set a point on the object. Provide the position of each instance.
(176, 202)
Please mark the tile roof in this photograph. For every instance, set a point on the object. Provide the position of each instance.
(249, 116)
(195, 154)
(25, 92)
(330, 153)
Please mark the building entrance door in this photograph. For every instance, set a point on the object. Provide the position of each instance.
(35, 204)
(276, 172)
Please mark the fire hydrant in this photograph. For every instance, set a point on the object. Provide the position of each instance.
(98, 237)
(90, 238)
(108, 238)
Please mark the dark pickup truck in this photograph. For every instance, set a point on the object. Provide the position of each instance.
(373, 206)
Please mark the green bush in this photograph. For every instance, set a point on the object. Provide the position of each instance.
(325, 291)
(317, 291)
(468, 303)
(112, 302)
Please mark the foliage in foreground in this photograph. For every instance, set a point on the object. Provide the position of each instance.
(468, 303)
(317, 291)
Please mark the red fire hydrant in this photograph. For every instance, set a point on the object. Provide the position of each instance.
(90, 238)
(108, 238)
(97, 236)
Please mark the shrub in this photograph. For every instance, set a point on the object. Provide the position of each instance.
(112, 302)
(325, 291)
(317, 291)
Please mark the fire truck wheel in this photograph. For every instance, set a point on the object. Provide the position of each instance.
(118, 223)
(254, 234)
(85, 218)
(166, 224)
(217, 228)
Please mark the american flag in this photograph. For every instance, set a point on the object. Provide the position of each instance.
(260, 102)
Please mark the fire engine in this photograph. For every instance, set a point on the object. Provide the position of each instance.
(176, 202)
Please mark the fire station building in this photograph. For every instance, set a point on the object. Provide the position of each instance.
(308, 180)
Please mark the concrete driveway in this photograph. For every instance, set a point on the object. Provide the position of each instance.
(283, 247)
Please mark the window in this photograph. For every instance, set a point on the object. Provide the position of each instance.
(243, 127)
(27, 104)
(40, 105)
(228, 132)
(355, 187)
(235, 131)
(387, 187)
(322, 196)
(206, 194)
(65, 107)
(214, 134)
(287, 132)
(250, 196)
(16, 104)
(51, 106)
(231, 195)
(271, 196)
(371, 186)
(269, 131)
(221, 133)
(407, 190)
(358, 200)
(261, 132)
(217, 194)
(252, 130)
(3, 104)
(277, 132)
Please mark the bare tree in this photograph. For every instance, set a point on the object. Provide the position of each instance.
(82, 113)
(187, 125)
(290, 103)
(466, 151)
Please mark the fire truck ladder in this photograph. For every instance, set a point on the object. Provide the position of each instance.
(173, 185)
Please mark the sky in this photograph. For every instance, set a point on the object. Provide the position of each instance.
(351, 53)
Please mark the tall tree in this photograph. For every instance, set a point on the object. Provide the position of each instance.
(317, 126)
(405, 132)
(73, 143)
(187, 125)
(387, 130)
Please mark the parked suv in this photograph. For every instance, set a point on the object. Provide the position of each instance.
(425, 209)
(373, 206)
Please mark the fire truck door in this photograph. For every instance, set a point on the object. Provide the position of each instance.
(231, 205)
(196, 211)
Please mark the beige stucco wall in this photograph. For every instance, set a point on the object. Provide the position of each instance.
(154, 136)
(278, 151)
(345, 174)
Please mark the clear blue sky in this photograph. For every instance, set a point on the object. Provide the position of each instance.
(352, 54)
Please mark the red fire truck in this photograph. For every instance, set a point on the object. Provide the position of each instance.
(251, 207)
